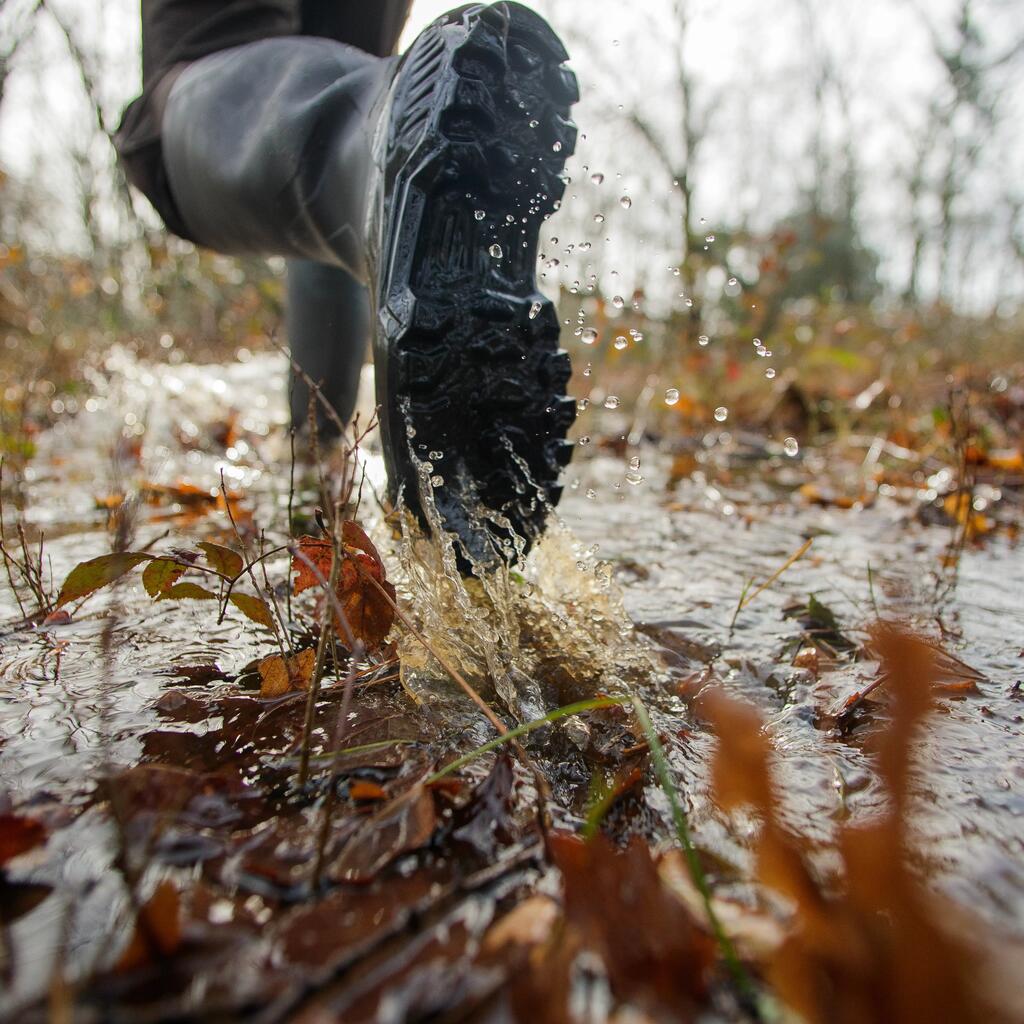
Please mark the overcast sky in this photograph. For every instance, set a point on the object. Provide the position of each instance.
(753, 61)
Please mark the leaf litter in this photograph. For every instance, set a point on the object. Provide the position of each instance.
(454, 882)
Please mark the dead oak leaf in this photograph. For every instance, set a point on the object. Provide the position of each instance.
(158, 931)
(278, 676)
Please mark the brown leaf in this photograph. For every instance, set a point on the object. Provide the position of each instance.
(222, 559)
(278, 677)
(368, 612)
(18, 835)
(655, 953)
(254, 608)
(158, 931)
(405, 824)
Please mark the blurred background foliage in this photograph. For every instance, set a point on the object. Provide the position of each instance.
(807, 211)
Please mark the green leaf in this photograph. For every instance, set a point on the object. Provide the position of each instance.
(161, 574)
(254, 608)
(88, 577)
(187, 592)
(222, 559)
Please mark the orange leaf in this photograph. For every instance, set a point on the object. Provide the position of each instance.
(278, 677)
(157, 930)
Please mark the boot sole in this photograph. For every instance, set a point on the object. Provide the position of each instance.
(472, 392)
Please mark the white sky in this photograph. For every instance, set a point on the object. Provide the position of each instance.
(752, 60)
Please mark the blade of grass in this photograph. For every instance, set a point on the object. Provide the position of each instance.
(521, 730)
(682, 827)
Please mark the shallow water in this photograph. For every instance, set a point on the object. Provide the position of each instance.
(79, 698)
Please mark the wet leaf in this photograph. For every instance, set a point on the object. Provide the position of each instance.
(363, 789)
(652, 948)
(278, 677)
(158, 931)
(405, 824)
(223, 559)
(368, 612)
(160, 575)
(18, 835)
(254, 608)
(88, 577)
(20, 898)
(187, 592)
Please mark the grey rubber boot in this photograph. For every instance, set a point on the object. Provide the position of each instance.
(429, 177)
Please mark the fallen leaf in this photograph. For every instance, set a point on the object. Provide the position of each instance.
(278, 677)
(88, 577)
(363, 789)
(18, 835)
(401, 826)
(158, 931)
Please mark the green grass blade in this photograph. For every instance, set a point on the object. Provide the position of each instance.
(522, 730)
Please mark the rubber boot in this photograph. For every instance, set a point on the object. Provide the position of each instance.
(430, 177)
(328, 321)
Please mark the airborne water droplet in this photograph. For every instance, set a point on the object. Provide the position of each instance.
(597, 177)
(584, 441)
(591, 493)
(709, 239)
(791, 446)
(598, 218)
(770, 373)
(582, 404)
(611, 402)
(620, 343)
(479, 214)
(634, 478)
(672, 396)
(634, 462)
(703, 340)
(589, 336)
(495, 251)
(721, 413)
(535, 310)
(618, 302)
(625, 202)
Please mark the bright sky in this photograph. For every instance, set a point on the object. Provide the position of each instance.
(752, 60)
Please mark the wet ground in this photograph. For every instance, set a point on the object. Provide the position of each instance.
(640, 585)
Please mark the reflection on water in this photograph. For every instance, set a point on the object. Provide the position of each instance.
(80, 696)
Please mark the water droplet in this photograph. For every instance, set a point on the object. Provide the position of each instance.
(495, 251)
(534, 123)
(625, 202)
(557, 147)
(591, 493)
(634, 478)
(435, 455)
(709, 239)
(597, 177)
(672, 396)
(582, 405)
(588, 370)
(588, 336)
(479, 214)
(584, 441)
(618, 302)
(598, 218)
(585, 247)
(770, 373)
(535, 310)
(733, 282)
(689, 303)
(554, 240)
(791, 446)
(509, 218)
(612, 402)
(634, 462)
(703, 340)
(620, 343)
(436, 481)
(581, 565)
(721, 413)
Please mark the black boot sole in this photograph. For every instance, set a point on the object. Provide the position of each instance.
(470, 379)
